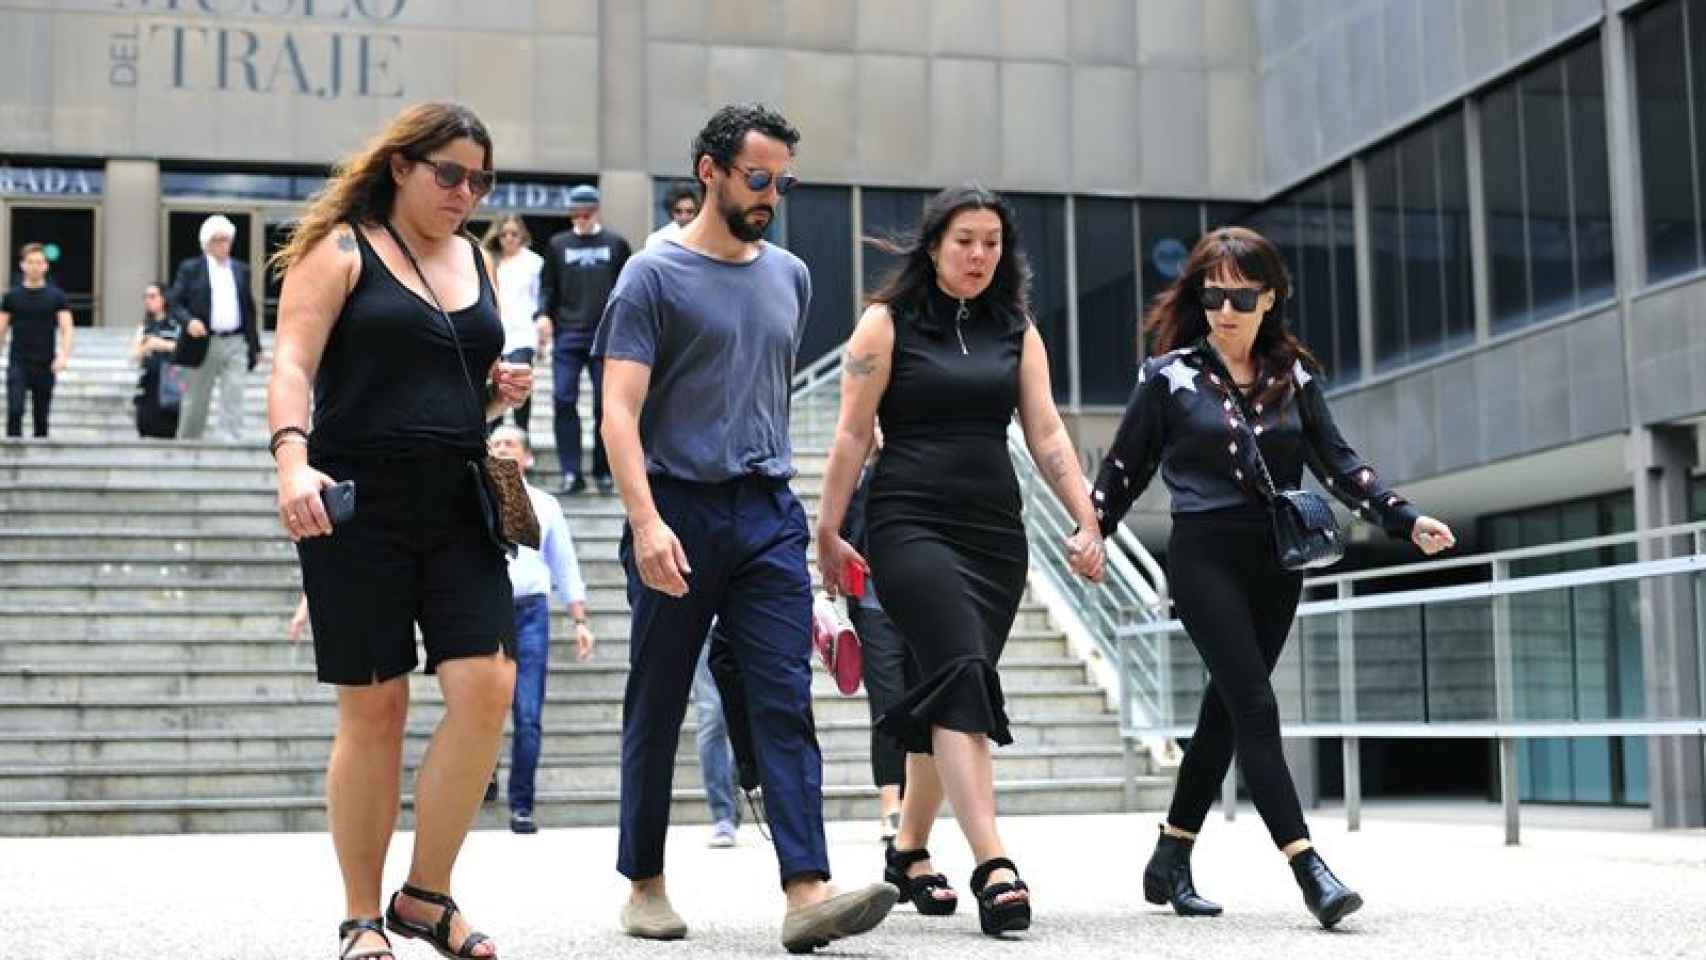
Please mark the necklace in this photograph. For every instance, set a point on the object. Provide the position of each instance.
(959, 318)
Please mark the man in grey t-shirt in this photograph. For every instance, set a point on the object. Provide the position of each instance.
(698, 345)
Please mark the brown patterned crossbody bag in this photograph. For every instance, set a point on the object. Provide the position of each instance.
(505, 505)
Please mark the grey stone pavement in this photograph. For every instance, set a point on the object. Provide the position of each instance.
(1438, 880)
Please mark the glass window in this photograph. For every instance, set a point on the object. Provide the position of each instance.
(1584, 73)
(1108, 316)
(1578, 653)
(1548, 191)
(1670, 106)
(1169, 228)
(1502, 175)
(1545, 150)
(820, 231)
(1418, 200)
(887, 214)
(1314, 229)
(1042, 235)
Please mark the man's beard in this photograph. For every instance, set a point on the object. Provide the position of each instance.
(743, 229)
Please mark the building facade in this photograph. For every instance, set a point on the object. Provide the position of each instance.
(1494, 210)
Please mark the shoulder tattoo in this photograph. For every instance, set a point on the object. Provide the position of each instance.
(346, 239)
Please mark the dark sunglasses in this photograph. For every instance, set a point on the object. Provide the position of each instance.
(449, 175)
(759, 180)
(1244, 299)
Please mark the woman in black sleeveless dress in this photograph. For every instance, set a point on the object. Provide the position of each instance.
(402, 393)
(945, 356)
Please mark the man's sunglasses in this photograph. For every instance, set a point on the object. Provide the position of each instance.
(759, 180)
(1244, 299)
(449, 175)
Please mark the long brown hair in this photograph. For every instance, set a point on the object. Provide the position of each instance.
(1176, 315)
(494, 243)
(361, 187)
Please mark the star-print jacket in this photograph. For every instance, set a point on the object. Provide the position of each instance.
(1180, 418)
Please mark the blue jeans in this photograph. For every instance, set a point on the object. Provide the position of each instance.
(532, 656)
(716, 759)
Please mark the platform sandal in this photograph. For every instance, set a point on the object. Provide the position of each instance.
(351, 930)
(995, 917)
(921, 890)
(438, 934)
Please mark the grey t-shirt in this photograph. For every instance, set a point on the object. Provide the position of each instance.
(720, 338)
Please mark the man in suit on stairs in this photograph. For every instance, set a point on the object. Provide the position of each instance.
(221, 342)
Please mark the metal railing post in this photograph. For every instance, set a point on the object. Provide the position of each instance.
(1504, 692)
(1128, 751)
(1348, 714)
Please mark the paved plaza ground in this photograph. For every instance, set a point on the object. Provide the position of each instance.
(1438, 880)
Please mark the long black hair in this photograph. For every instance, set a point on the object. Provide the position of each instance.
(906, 290)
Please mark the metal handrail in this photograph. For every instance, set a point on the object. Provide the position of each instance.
(1502, 683)
(1611, 573)
(1433, 566)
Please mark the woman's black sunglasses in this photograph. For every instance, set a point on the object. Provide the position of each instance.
(1244, 299)
(759, 180)
(449, 175)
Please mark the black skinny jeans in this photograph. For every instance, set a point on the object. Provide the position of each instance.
(1237, 603)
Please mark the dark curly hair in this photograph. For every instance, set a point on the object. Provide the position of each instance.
(679, 191)
(906, 291)
(725, 133)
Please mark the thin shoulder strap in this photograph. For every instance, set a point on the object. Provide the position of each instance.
(479, 405)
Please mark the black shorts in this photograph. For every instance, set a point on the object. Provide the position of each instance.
(416, 552)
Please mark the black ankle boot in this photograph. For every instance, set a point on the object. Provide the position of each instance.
(1327, 898)
(1167, 879)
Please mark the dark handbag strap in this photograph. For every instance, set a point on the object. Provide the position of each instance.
(479, 402)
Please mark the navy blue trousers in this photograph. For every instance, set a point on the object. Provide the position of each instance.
(746, 543)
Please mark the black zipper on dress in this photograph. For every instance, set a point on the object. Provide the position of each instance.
(960, 315)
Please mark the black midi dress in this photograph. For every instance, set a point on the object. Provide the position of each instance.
(946, 542)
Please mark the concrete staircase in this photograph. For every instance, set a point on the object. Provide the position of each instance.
(146, 685)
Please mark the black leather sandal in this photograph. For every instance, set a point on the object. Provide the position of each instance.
(921, 890)
(438, 934)
(995, 917)
(351, 930)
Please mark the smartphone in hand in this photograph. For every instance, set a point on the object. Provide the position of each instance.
(339, 501)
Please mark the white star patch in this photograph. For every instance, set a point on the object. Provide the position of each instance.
(1142, 374)
(1179, 377)
(1299, 374)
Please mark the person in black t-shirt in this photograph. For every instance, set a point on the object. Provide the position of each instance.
(581, 267)
(32, 312)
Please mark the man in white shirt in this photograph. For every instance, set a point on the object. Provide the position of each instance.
(533, 576)
(222, 342)
(681, 203)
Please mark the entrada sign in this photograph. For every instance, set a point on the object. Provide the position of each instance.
(324, 64)
(50, 182)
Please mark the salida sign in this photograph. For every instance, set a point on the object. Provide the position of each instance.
(214, 56)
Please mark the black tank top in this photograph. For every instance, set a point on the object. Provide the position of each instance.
(390, 383)
(953, 389)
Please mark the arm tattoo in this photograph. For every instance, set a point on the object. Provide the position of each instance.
(346, 240)
(861, 366)
(1056, 466)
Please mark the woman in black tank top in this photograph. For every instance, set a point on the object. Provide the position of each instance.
(402, 391)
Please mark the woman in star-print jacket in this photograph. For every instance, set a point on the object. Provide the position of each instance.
(1219, 329)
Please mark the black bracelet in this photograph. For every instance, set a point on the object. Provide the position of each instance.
(279, 436)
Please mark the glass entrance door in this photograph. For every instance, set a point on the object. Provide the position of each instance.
(73, 256)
